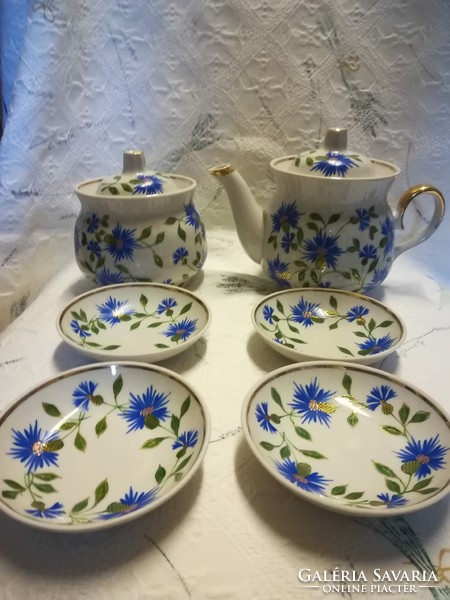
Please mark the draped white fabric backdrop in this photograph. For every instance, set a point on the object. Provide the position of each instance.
(193, 83)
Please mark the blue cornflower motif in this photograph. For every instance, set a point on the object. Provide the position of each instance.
(84, 394)
(357, 312)
(368, 252)
(427, 455)
(335, 163)
(77, 328)
(121, 243)
(112, 310)
(393, 501)
(263, 417)
(93, 223)
(192, 216)
(286, 242)
(166, 304)
(131, 502)
(313, 403)
(387, 229)
(379, 396)
(107, 277)
(94, 248)
(323, 250)
(376, 345)
(188, 439)
(285, 217)
(278, 271)
(268, 313)
(32, 447)
(312, 482)
(181, 330)
(180, 254)
(363, 218)
(325, 284)
(150, 402)
(304, 311)
(379, 275)
(52, 512)
(151, 184)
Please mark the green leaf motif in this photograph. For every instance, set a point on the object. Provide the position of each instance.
(393, 486)
(101, 491)
(117, 386)
(354, 495)
(392, 430)
(185, 406)
(276, 397)
(79, 506)
(154, 442)
(101, 427)
(347, 383)
(45, 488)
(403, 413)
(420, 417)
(384, 470)
(160, 474)
(14, 485)
(267, 446)
(339, 490)
(46, 476)
(51, 409)
(422, 484)
(312, 454)
(79, 442)
(285, 452)
(183, 463)
(186, 308)
(280, 307)
(352, 419)
(303, 433)
(175, 424)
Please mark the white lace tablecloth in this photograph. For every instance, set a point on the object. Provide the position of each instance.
(233, 532)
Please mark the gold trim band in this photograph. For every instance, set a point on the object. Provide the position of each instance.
(221, 170)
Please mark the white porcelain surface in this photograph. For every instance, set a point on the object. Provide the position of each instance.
(100, 445)
(324, 324)
(349, 438)
(137, 321)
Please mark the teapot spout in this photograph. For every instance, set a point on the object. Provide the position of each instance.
(247, 214)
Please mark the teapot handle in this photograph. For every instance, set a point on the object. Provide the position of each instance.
(422, 234)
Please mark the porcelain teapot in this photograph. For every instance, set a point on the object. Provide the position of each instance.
(140, 225)
(330, 224)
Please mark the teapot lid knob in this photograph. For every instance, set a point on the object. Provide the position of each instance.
(335, 139)
(133, 161)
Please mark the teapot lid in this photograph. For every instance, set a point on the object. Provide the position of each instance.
(333, 159)
(136, 179)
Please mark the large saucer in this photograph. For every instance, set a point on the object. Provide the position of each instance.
(100, 445)
(349, 438)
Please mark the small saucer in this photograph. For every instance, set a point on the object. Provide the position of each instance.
(349, 438)
(100, 445)
(327, 324)
(134, 321)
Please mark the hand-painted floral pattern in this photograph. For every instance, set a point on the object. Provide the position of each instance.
(107, 251)
(286, 425)
(289, 324)
(307, 250)
(166, 314)
(147, 410)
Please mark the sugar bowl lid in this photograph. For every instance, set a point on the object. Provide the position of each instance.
(136, 179)
(333, 160)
